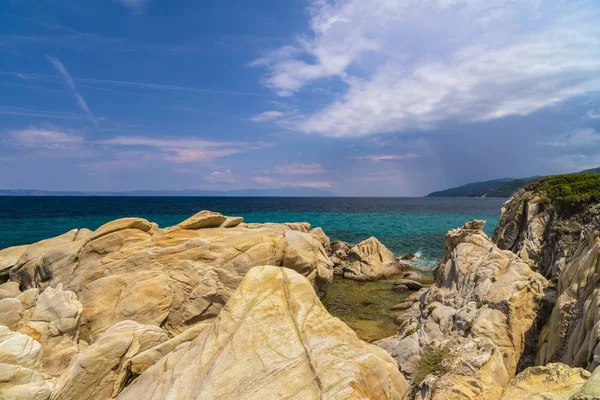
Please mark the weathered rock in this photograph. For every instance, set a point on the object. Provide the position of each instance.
(203, 219)
(127, 270)
(20, 367)
(480, 292)
(272, 340)
(8, 258)
(590, 389)
(232, 222)
(471, 370)
(19, 383)
(541, 233)
(550, 382)
(572, 335)
(100, 372)
(410, 284)
(371, 260)
(11, 313)
(54, 323)
(318, 234)
(9, 290)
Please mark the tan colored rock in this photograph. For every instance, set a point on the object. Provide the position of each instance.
(54, 323)
(590, 389)
(371, 260)
(232, 222)
(20, 366)
(9, 290)
(11, 313)
(176, 279)
(146, 359)
(100, 371)
(20, 383)
(550, 382)
(9, 257)
(572, 335)
(19, 349)
(472, 370)
(203, 219)
(318, 234)
(480, 292)
(274, 339)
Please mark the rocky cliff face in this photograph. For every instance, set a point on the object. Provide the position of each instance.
(476, 318)
(572, 335)
(543, 234)
(180, 312)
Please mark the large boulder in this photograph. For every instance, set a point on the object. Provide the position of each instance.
(480, 293)
(550, 382)
(101, 370)
(129, 269)
(273, 339)
(370, 260)
(572, 335)
(20, 367)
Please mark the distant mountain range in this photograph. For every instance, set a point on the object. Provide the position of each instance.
(282, 192)
(505, 187)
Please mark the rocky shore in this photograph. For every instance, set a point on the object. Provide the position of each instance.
(215, 308)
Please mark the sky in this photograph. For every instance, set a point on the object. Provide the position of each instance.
(357, 97)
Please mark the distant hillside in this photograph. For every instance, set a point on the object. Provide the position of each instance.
(282, 192)
(495, 188)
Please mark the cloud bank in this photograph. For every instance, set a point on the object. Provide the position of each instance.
(410, 64)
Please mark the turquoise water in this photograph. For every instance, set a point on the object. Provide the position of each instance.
(404, 225)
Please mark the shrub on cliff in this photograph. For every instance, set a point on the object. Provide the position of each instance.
(569, 191)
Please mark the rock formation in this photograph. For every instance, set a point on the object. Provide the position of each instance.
(273, 340)
(174, 277)
(132, 306)
(572, 335)
(540, 232)
(367, 261)
(480, 310)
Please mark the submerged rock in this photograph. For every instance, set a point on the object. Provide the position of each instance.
(272, 340)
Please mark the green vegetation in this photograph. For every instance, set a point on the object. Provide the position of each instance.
(569, 192)
(498, 187)
(543, 307)
(431, 362)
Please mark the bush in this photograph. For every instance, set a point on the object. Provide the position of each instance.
(569, 191)
(431, 362)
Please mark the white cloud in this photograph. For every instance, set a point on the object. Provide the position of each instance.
(379, 158)
(299, 169)
(221, 177)
(593, 114)
(267, 116)
(58, 65)
(185, 150)
(584, 139)
(309, 184)
(43, 139)
(410, 64)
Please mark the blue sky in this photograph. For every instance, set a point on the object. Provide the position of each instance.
(375, 98)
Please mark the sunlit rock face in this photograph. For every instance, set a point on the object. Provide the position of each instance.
(130, 269)
(273, 340)
(480, 308)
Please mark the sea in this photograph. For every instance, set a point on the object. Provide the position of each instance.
(404, 225)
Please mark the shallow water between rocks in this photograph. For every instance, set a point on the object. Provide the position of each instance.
(365, 306)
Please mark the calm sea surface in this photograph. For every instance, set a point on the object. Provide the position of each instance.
(403, 224)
